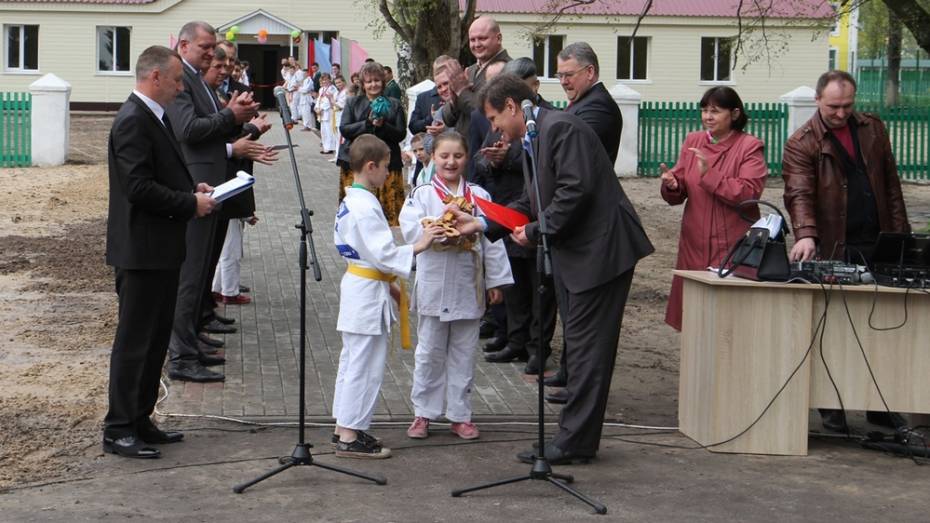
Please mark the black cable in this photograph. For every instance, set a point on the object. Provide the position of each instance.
(872, 311)
(823, 359)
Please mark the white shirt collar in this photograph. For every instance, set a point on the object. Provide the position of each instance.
(151, 104)
(191, 67)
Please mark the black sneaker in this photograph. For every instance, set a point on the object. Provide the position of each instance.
(362, 448)
(360, 434)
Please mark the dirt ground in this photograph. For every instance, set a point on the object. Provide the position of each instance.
(57, 312)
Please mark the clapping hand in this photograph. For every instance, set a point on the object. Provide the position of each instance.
(496, 153)
(701, 160)
(242, 105)
(671, 183)
(261, 123)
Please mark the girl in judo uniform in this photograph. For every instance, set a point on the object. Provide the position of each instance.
(449, 294)
(364, 239)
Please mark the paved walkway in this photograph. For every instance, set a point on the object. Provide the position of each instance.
(262, 358)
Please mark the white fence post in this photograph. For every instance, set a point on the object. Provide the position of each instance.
(51, 119)
(801, 107)
(628, 157)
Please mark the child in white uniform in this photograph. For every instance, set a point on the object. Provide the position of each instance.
(325, 111)
(364, 239)
(449, 295)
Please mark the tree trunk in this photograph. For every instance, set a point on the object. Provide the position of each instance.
(915, 17)
(892, 80)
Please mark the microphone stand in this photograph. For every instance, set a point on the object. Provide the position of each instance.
(301, 454)
(542, 469)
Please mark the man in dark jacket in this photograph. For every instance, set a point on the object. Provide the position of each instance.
(595, 238)
(151, 200)
(578, 72)
(841, 190)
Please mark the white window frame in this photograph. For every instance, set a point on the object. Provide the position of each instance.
(112, 72)
(837, 18)
(547, 49)
(632, 80)
(22, 50)
(716, 80)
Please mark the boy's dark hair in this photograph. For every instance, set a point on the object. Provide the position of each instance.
(503, 86)
(726, 98)
(367, 148)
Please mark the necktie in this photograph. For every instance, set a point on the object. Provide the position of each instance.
(164, 120)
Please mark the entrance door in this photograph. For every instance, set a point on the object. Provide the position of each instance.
(264, 69)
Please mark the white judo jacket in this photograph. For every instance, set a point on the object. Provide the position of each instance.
(363, 237)
(451, 284)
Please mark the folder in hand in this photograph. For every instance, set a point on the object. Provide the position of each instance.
(225, 191)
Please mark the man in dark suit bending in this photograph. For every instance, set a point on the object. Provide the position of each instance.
(595, 239)
(152, 198)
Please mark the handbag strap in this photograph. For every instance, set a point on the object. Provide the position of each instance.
(723, 271)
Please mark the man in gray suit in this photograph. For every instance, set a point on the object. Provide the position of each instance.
(595, 239)
(204, 128)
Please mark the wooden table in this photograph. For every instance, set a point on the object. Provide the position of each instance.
(741, 340)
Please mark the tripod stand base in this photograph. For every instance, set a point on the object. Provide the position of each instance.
(541, 471)
(302, 456)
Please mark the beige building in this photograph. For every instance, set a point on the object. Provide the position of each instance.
(676, 54)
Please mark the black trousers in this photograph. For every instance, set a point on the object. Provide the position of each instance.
(146, 311)
(592, 322)
(194, 273)
(520, 299)
(209, 304)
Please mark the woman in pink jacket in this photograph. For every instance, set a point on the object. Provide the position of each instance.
(717, 169)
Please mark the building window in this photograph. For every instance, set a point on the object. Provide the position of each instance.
(328, 36)
(112, 49)
(715, 59)
(546, 50)
(831, 61)
(631, 57)
(22, 47)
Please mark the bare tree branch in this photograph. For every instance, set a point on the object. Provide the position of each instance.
(404, 32)
(915, 18)
(646, 7)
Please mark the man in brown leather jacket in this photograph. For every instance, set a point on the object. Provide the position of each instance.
(841, 183)
(841, 190)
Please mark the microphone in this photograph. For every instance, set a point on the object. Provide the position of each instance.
(281, 96)
(530, 118)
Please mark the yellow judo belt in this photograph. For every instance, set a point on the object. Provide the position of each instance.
(403, 306)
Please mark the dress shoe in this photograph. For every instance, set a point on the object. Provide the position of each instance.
(533, 367)
(193, 371)
(129, 447)
(243, 288)
(506, 356)
(223, 319)
(834, 420)
(239, 299)
(556, 380)
(209, 360)
(206, 349)
(555, 456)
(892, 420)
(559, 397)
(215, 327)
(495, 345)
(156, 436)
(213, 342)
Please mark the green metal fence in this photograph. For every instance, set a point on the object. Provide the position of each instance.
(15, 129)
(663, 126)
(913, 87)
(559, 104)
(910, 137)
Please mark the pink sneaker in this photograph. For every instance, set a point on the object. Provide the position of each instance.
(419, 429)
(466, 430)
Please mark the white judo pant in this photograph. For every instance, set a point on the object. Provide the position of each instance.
(226, 277)
(358, 381)
(445, 368)
(295, 104)
(308, 117)
(329, 132)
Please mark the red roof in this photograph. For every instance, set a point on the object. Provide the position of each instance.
(107, 2)
(712, 8)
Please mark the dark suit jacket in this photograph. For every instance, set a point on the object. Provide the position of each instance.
(355, 123)
(599, 110)
(422, 115)
(151, 192)
(202, 131)
(595, 233)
